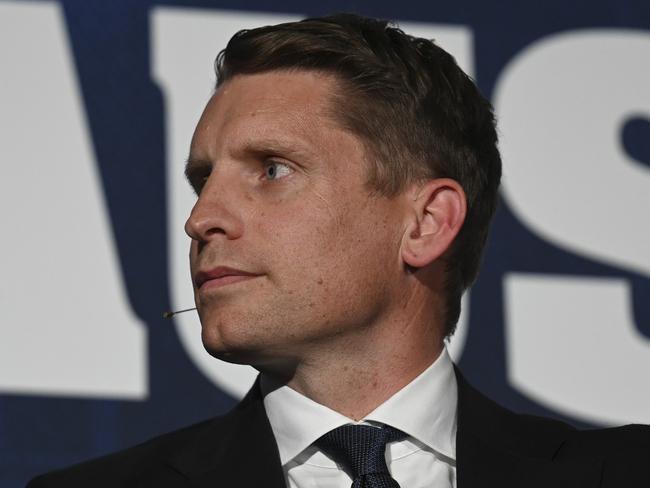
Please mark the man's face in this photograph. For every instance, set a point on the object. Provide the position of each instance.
(290, 251)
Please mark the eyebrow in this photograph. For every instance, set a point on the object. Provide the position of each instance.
(254, 148)
(193, 165)
(274, 146)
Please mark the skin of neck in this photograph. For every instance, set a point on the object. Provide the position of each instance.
(355, 372)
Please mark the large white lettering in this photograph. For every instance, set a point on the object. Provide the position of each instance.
(65, 321)
(561, 104)
(573, 346)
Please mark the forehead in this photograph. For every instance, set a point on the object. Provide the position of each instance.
(280, 106)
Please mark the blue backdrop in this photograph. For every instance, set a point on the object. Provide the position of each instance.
(127, 116)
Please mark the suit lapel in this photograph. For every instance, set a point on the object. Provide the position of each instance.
(237, 449)
(495, 447)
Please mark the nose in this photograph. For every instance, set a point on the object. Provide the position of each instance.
(214, 213)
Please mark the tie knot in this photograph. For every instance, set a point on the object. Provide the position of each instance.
(361, 448)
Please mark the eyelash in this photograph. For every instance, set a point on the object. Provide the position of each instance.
(198, 180)
(271, 162)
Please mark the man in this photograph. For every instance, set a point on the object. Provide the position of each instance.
(346, 175)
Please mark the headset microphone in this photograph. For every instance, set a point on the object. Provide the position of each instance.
(169, 315)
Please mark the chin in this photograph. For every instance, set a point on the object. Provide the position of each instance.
(235, 344)
(234, 357)
(231, 341)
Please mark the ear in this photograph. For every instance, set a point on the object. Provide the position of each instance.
(438, 209)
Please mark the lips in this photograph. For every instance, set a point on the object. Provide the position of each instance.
(221, 275)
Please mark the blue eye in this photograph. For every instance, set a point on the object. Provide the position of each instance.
(274, 170)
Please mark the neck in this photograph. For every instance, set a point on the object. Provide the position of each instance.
(354, 391)
(355, 373)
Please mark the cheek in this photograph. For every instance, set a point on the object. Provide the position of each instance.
(341, 247)
(326, 235)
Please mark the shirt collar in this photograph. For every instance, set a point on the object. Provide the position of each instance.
(425, 409)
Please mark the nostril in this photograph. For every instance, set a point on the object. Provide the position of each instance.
(215, 230)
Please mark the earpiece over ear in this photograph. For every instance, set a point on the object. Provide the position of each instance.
(439, 207)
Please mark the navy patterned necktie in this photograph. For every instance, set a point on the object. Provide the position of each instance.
(362, 450)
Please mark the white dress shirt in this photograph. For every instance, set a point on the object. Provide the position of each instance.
(425, 409)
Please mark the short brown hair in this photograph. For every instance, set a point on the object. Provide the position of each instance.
(419, 115)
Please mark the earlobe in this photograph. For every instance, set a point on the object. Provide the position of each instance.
(438, 212)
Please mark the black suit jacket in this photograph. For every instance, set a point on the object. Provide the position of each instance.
(495, 448)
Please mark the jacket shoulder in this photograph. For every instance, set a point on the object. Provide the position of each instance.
(481, 418)
(624, 453)
(541, 437)
(218, 449)
(611, 441)
(126, 467)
